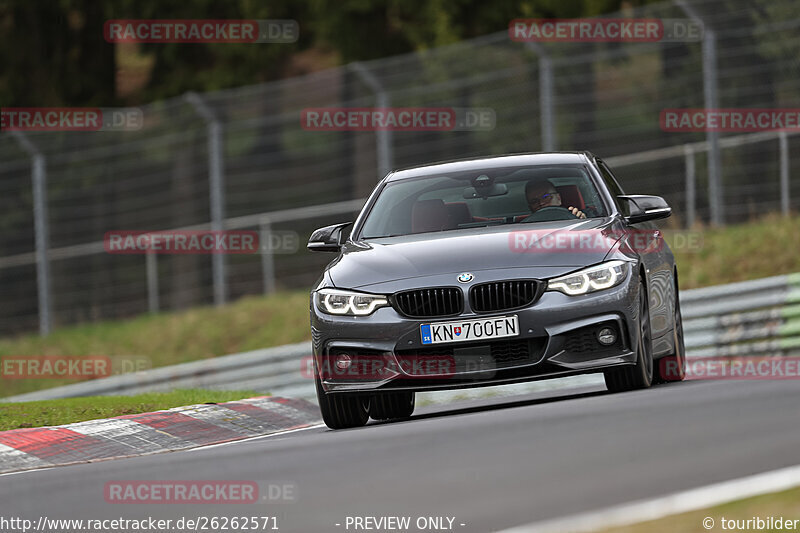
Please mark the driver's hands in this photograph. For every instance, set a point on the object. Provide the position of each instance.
(577, 212)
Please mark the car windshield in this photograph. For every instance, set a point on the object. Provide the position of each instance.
(451, 202)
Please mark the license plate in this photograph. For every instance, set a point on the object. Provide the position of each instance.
(470, 330)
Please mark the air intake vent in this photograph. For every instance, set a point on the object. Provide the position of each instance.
(435, 301)
(504, 295)
(471, 357)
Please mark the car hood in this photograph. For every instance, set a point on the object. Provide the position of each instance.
(542, 249)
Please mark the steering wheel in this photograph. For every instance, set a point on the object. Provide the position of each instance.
(550, 213)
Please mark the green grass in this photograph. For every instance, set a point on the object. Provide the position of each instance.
(69, 410)
(784, 504)
(766, 247)
(761, 248)
(170, 338)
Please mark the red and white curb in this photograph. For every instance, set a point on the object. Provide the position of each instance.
(161, 431)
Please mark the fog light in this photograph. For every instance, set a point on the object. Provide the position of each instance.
(607, 336)
(343, 361)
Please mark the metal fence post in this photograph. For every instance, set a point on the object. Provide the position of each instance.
(216, 178)
(710, 98)
(41, 231)
(383, 138)
(690, 186)
(546, 95)
(783, 140)
(267, 261)
(715, 190)
(152, 281)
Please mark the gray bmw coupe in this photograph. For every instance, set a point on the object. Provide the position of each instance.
(492, 271)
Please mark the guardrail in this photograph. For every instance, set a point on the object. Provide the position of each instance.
(759, 317)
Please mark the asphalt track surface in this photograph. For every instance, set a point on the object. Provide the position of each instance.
(490, 464)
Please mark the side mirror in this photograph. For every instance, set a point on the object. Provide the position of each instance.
(643, 207)
(328, 239)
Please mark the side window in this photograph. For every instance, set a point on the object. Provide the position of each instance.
(613, 187)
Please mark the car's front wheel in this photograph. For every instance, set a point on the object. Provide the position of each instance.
(640, 375)
(342, 410)
(391, 405)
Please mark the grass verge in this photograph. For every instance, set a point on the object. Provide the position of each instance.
(780, 504)
(169, 338)
(766, 247)
(69, 410)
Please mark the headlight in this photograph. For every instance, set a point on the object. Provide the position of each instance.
(596, 278)
(339, 302)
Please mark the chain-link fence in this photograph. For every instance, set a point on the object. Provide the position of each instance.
(239, 158)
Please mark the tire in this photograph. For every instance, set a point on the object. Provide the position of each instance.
(640, 375)
(673, 367)
(391, 405)
(342, 410)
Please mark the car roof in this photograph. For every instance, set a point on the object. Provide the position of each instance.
(478, 163)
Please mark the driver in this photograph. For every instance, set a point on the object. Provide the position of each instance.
(540, 194)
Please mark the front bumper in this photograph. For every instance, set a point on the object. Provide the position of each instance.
(557, 337)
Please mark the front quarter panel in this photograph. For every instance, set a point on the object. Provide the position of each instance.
(645, 244)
